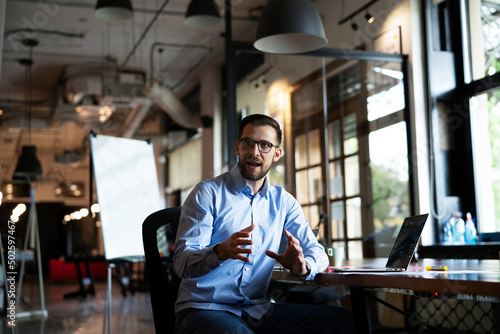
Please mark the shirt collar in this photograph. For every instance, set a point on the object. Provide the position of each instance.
(240, 183)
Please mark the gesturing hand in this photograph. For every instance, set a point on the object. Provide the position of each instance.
(230, 249)
(293, 258)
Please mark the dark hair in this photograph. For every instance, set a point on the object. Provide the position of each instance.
(259, 119)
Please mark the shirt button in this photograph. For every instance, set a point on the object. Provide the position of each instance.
(246, 269)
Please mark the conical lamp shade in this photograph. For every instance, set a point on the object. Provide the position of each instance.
(114, 10)
(202, 13)
(290, 26)
(28, 164)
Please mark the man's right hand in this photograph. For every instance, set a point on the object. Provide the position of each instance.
(231, 248)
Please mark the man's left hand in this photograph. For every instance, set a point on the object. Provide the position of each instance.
(293, 258)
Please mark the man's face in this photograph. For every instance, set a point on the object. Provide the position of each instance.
(253, 164)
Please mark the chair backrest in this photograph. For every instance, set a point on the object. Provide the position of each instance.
(163, 282)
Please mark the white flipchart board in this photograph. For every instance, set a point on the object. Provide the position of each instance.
(127, 192)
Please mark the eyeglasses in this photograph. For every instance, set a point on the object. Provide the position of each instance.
(264, 146)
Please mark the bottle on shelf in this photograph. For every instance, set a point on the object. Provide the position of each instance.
(453, 221)
(470, 230)
(448, 231)
(459, 228)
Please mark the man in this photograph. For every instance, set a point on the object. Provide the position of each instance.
(229, 232)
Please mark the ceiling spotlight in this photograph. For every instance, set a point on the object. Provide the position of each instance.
(370, 18)
(202, 13)
(290, 26)
(114, 10)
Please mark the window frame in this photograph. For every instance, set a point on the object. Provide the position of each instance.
(317, 120)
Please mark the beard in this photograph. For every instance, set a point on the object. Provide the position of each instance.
(253, 175)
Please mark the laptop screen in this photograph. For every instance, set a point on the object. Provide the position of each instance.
(406, 242)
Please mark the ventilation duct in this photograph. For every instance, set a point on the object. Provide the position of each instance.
(173, 107)
(95, 94)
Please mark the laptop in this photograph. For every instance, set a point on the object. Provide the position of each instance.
(403, 249)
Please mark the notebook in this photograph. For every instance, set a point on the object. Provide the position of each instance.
(403, 249)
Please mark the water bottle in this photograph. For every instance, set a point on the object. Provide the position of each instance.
(453, 221)
(459, 230)
(470, 230)
(447, 232)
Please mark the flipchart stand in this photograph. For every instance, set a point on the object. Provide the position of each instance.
(127, 190)
(32, 238)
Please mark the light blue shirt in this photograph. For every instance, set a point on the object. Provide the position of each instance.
(212, 212)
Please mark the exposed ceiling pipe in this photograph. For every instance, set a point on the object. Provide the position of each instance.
(143, 34)
(43, 31)
(134, 119)
(176, 45)
(168, 102)
(173, 107)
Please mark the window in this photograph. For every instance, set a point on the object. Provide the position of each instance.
(308, 176)
(465, 116)
(485, 110)
(345, 143)
(484, 105)
(389, 170)
(484, 23)
(366, 154)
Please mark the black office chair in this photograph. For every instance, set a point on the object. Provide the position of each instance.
(163, 282)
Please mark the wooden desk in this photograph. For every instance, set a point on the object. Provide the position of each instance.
(477, 280)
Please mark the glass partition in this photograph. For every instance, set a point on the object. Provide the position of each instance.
(345, 143)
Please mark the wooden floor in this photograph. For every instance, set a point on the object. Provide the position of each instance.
(130, 314)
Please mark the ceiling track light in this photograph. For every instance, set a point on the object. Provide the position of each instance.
(290, 26)
(202, 14)
(360, 10)
(369, 18)
(114, 10)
